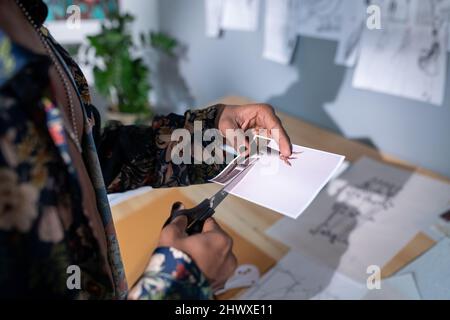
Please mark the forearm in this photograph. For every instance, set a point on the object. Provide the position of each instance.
(133, 156)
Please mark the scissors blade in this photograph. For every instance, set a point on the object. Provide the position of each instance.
(217, 199)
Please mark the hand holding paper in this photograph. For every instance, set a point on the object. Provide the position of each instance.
(254, 116)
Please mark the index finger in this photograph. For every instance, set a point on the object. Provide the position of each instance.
(278, 133)
(283, 140)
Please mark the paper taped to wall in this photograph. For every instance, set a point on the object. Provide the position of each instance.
(240, 15)
(213, 17)
(280, 31)
(432, 272)
(321, 18)
(404, 60)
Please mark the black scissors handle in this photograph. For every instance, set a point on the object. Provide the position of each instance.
(196, 216)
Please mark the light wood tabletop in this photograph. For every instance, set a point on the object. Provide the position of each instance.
(138, 229)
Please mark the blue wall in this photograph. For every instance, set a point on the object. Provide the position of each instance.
(312, 88)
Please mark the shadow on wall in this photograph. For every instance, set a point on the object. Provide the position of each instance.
(319, 83)
(169, 89)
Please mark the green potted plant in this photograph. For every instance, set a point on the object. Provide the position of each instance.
(119, 73)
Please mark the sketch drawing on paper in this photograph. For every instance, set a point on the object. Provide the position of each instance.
(431, 12)
(398, 11)
(297, 276)
(358, 204)
(428, 13)
(352, 28)
(321, 18)
(322, 10)
(281, 283)
(429, 57)
(404, 61)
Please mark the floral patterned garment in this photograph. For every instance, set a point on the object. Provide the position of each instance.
(43, 229)
(171, 273)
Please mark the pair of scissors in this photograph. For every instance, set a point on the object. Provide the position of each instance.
(198, 215)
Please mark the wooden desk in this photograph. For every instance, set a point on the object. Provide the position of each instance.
(245, 219)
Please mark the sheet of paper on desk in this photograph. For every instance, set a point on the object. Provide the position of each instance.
(351, 32)
(365, 217)
(402, 287)
(432, 272)
(286, 189)
(240, 15)
(298, 276)
(432, 12)
(404, 61)
(280, 31)
(213, 17)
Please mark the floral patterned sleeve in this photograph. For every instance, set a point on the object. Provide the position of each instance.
(133, 156)
(136, 156)
(171, 275)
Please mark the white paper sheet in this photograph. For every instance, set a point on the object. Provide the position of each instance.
(117, 198)
(431, 12)
(402, 287)
(432, 272)
(280, 31)
(403, 60)
(240, 15)
(299, 277)
(213, 17)
(365, 217)
(352, 28)
(287, 189)
(321, 18)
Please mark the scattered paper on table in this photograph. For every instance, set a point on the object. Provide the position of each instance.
(280, 31)
(405, 60)
(286, 189)
(213, 17)
(431, 13)
(299, 277)
(240, 15)
(365, 217)
(432, 272)
(402, 287)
